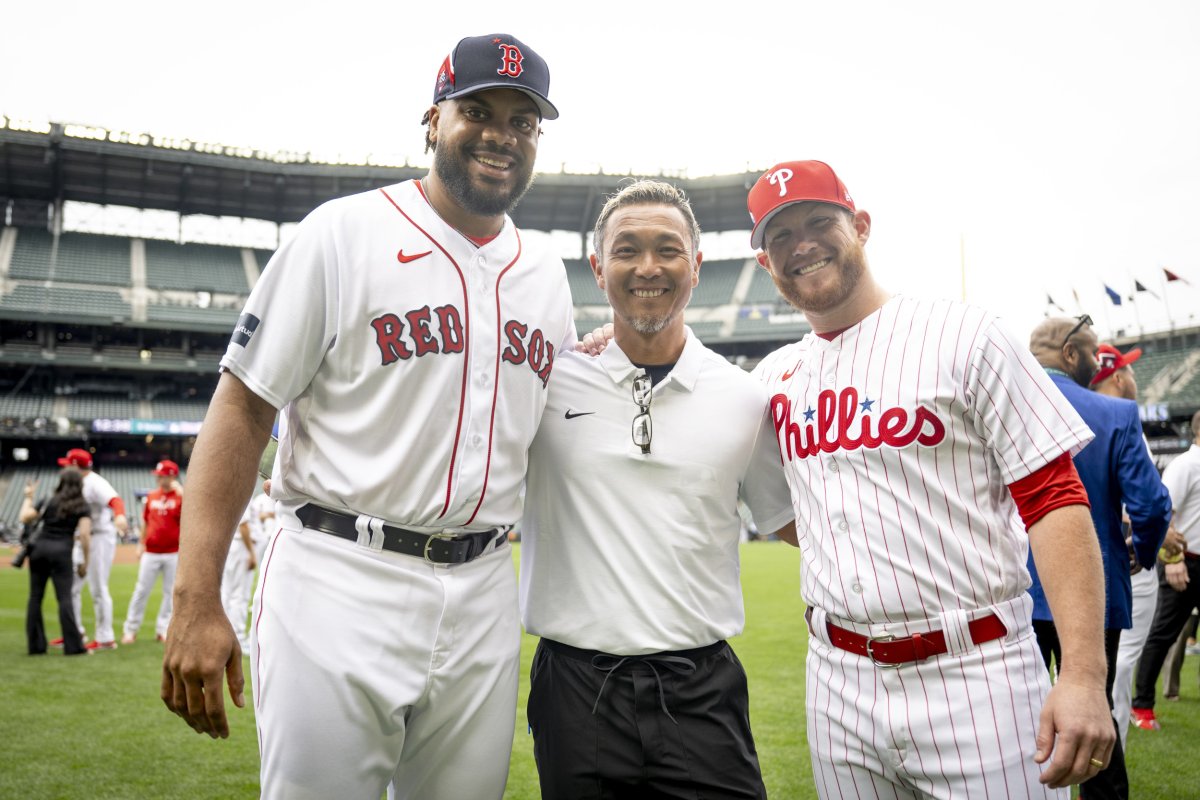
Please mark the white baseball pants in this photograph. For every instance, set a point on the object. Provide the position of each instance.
(960, 725)
(237, 583)
(1145, 602)
(100, 560)
(150, 567)
(371, 668)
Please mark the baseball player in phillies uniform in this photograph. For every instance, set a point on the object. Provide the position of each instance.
(407, 336)
(160, 551)
(108, 517)
(912, 433)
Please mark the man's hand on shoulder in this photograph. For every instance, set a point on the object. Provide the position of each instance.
(594, 343)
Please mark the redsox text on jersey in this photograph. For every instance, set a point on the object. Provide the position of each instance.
(406, 336)
(912, 434)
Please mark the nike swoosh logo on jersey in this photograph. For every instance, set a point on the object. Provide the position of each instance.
(570, 415)
(403, 259)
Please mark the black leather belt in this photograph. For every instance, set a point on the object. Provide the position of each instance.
(436, 548)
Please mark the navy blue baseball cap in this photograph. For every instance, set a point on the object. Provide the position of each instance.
(495, 61)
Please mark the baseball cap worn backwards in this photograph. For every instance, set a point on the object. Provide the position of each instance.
(76, 458)
(495, 61)
(1111, 359)
(793, 182)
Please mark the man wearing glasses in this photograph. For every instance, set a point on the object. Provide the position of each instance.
(1115, 468)
(913, 432)
(629, 558)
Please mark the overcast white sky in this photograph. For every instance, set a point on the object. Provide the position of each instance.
(1055, 144)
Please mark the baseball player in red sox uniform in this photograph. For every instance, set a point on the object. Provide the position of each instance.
(108, 517)
(406, 336)
(160, 551)
(920, 440)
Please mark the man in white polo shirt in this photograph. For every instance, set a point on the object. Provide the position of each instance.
(632, 579)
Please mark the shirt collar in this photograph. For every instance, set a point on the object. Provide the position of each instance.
(686, 371)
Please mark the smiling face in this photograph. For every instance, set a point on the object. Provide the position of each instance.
(814, 252)
(485, 146)
(648, 267)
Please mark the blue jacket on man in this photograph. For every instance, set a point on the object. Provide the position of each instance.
(1115, 468)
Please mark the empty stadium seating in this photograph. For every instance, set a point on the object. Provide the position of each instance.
(195, 267)
(99, 304)
(717, 281)
(81, 258)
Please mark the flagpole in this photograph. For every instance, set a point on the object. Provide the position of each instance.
(1107, 318)
(1137, 317)
(1162, 276)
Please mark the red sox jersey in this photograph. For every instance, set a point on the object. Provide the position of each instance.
(899, 438)
(411, 366)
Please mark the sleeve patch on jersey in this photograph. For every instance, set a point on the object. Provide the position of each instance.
(247, 324)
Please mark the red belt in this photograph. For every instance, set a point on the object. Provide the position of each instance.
(891, 651)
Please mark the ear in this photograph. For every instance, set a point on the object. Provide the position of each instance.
(862, 225)
(761, 258)
(696, 269)
(434, 113)
(597, 270)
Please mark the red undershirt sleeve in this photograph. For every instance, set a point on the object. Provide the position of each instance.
(118, 506)
(1053, 486)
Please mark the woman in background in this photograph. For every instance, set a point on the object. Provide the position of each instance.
(65, 513)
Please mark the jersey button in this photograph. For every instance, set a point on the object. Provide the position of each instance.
(857, 587)
(842, 526)
(833, 465)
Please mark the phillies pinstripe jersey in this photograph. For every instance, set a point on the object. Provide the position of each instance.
(410, 364)
(899, 438)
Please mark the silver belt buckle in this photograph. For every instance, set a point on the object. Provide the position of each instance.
(887, 637)
(429, 543)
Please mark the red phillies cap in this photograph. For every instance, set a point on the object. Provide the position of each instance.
(76, 458)
(495, 61)
(793, 182)
(1111, 359)
(166, 467)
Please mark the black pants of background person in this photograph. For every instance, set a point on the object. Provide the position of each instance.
(50, 560)
(1172, 614)
(607, 727)
(1112, 782)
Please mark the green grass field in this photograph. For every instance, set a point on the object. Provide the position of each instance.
(95, 727)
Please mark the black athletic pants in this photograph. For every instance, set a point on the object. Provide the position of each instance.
(50, 560)
(666, 725)
(1172, 614)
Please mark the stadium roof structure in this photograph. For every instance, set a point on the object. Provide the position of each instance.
(43, 165)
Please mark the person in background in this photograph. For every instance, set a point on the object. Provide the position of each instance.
(158, 551)
(64, 517)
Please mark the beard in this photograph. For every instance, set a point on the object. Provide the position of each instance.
(850, 266)
(648, 326)
(1083, 373)
(486, 200)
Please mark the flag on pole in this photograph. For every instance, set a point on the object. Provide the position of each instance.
(1112, 295)
(1050, 301)
(1171, 276)
(1140, 287)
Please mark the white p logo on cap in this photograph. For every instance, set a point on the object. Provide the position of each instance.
(780, 176)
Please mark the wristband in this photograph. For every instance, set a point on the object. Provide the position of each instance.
(1169, 559)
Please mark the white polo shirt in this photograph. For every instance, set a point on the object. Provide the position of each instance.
(629, 553)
